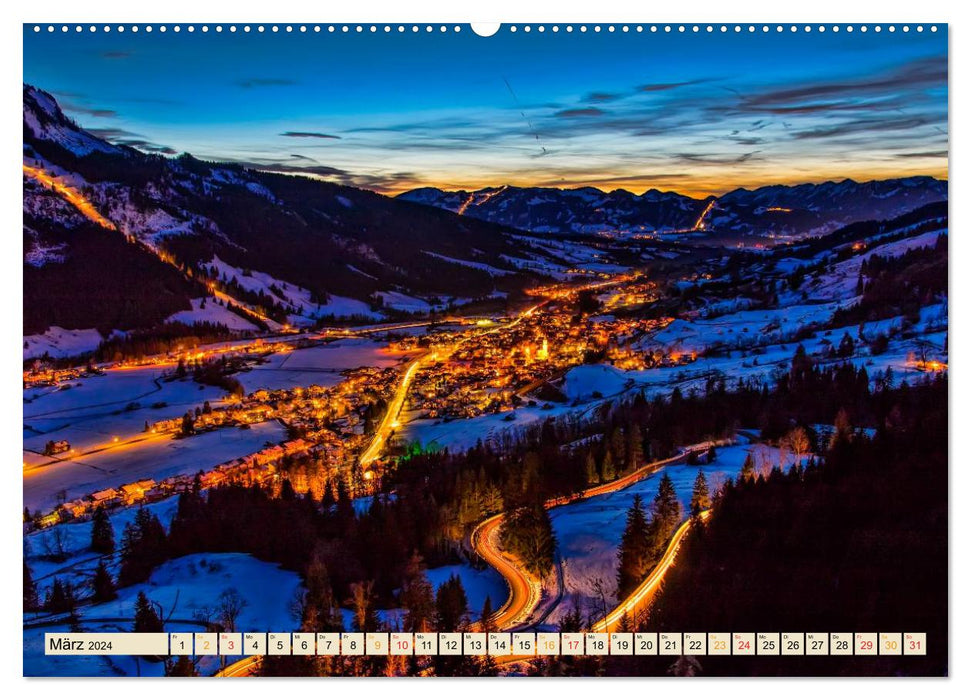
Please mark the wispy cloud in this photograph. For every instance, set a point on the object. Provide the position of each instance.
(664, 87)
(88, 111)
(580, 112)
(308, 135)
(123, 137)
(603, 97)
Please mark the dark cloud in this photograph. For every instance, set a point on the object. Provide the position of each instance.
(264, 82)
(715, 159)
(747, 140)
(873, 125)
(281, 167)
(88, 111)
(110, 133)
(664, 87)
(581, 112)
(390, 182)
(921, 74)
(922, 154)
(308, 135)
(123, 137)
(602, 97)
(148, 146)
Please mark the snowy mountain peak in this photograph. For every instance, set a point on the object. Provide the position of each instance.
(44, 121)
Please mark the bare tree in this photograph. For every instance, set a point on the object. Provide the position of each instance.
(55, 545)
(797, 442)
(230, 605)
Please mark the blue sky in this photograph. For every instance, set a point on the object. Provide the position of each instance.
(698, 113)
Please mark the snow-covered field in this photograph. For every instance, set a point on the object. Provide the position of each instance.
(212, 313)
(60, 342)
(587, 382)
(64, 551)
(739, 329)
(154, 458)
(839, 284)
(588, 533)
(182, 587)
(321, 365)
(95, 409)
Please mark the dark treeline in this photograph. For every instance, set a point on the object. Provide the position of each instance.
(104, 282)
(163, 338)
(855, 542)
(898, 286)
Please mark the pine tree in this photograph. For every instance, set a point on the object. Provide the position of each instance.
(451, 605)
(485, 617)
(573, 620)
(417, 597)
(590, 470)
(700, 495)
(148, 615)
(846, 346)
(102, 533)
(143, 547)
(608, 469)
(633, 553)
(102, 584)
(182, 667)
(318, 611)
(528, 533)
(635, 447)
(618, 445)
(666, 515)
(56, 599)
(30, 590)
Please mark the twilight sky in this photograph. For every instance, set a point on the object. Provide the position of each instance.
(697, 113)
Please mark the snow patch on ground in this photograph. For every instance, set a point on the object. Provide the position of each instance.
(181, 587)
(211, 313)
(61, 342)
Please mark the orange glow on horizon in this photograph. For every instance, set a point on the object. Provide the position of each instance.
(700, 186)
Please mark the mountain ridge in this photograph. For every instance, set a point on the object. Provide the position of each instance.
(812, 208)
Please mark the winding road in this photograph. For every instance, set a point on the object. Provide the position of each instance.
(525, 590)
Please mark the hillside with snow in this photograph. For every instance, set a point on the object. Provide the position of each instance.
(115, 238)
(773, 212)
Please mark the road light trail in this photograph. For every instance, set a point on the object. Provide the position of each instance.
(524, 589)
(71, 194)
(642, 596)
(390, 421)
(700, 223)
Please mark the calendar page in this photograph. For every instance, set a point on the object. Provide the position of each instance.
(516, 350)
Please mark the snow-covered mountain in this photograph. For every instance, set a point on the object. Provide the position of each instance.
(778, 211)
(583, 210)
(116, 238)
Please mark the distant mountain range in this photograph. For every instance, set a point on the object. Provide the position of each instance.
(776, 210)
(119, 239)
